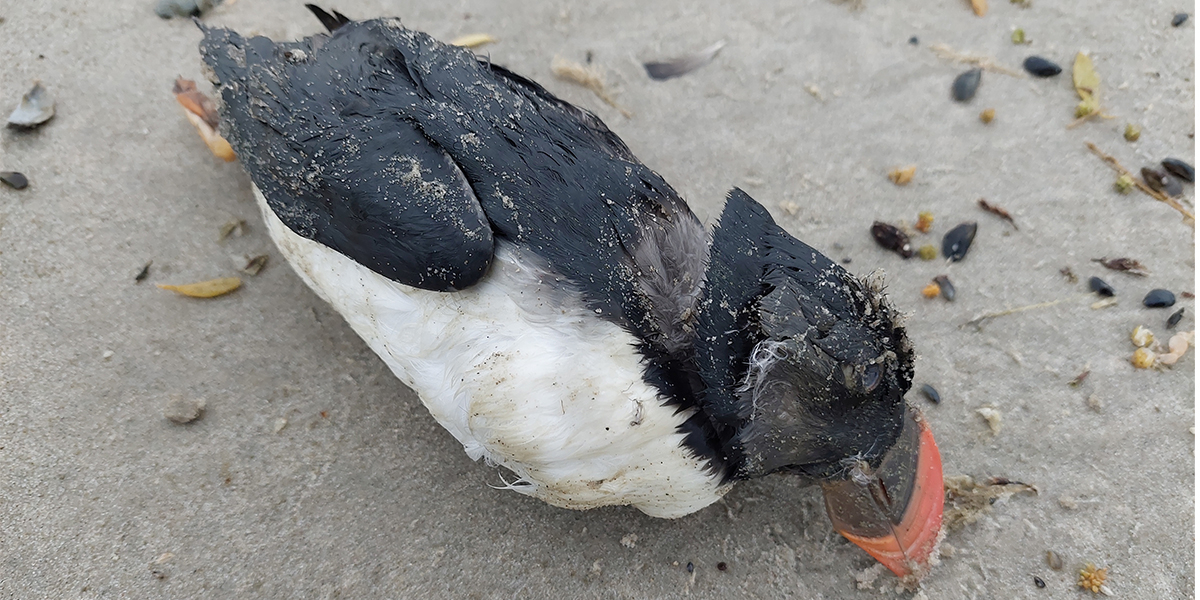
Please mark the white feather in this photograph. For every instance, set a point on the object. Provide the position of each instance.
(521, 373)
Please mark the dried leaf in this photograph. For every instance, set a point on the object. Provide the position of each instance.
(999, 212)
(473, 40)
(252, 265)
(206, 289)
(674, 67)
(1087, 83)
(1128, 265)
(980, 7)
(901, 176)
(236, 226)
(201, 112)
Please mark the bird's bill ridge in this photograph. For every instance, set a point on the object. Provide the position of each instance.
(895, 511)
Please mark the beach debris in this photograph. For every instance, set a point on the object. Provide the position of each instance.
(14, 180)
(1180, 169)
(1159, 298)
(1054, 561)
(892, 238)
(1132, 132)
(945, 286)
(924, 221)
(1069, 274)
(1173, 320)
(979, 320)
(1124, 184)
(36, 107)
(205, 289)
(1177, 346)
(914, 40)
(992, 417)
(279, 424)
(1179, 19)
(1104, 303)
(987, 115)
(927, 252)
(234, 227)
(1022, 3)
(983, 62)
(722, 566)
(201, 112)
(980, 7)
(1018, 36)
(1078, 380)
(999, 212)
(902, 175)
(1160, 181)
(1087, 84)
(1101, 287)
(966, 84)
(967, 499)
(143, 274)
(182, 410)
(1188, 217)
(957, 241)
(1091, 578)
(931, 290)
(1038, 582)
(1141, 337)
(682, 65)
(168, 9)
(629, 540)
(1143, 358)
(931, 393)
(1127, 265)
(587, 76)
(251, 265)
(473, 40)
(1040, 67)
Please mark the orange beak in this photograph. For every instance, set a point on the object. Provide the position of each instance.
(895, 511)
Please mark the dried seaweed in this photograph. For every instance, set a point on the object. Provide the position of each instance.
(1127, 265)
(999, 212)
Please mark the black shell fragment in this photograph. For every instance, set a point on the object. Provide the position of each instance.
(945, 286)
(1179, 19)
(1038, 582)
(1101, 287)
(931, 393)
(1174, 319)
(1040, 67)
(965, 85)
(1180, 169)
(891, 238)
(914, 40)
(1159, 298)
(1158, 180)
(14, 180)
(957, 241)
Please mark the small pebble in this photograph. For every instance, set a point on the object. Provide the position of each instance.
(1179, 19)
(1038, 582)
(966, 84)
(183, 410)
(913, 40)
(36, 107)
(183, 8)
(891, 238)
(690, 567)
(957, 241)
(1054, 560)
(945, 287)
(721, 566)
(1159, 298)
(1040, 67)
(987, 115)
(14, 180)
(1180, 169)
(1173, 320)
(107, 354)
(931, 393)
(280, 423)
(1101, 287)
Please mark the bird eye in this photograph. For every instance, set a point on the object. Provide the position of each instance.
(871, 377)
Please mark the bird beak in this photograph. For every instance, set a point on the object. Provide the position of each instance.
(894, 512)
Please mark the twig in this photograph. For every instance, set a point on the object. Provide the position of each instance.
(983, 62)
(977, 321)
(1188, 217)
(1087, 117)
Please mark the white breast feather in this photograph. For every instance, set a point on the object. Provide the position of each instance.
(521, 374)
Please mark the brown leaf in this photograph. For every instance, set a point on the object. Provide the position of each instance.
(980, 7)
(206, 289)
(1128, 265)
(999, 212)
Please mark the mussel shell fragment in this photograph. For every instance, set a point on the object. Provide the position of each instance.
(891, 238)
(1159, 298)
(966, 84)
(946, 287)
(14, 180)
(1101, 287)
(1040, 67)
(1174, 319)
(931, 393)
(957, 241)
(36, 107)
(1180, 169)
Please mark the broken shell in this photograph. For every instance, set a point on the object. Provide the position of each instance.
(1180, 169)
(966, 84)
(663, 70)
(1053, 560)
(957, 241)
(1038, 582)
(987, 115)
(1177, 346)
(931, 393)
(1101, 287)
(1143, 358)
(891, 238)
(1173, 320)
(36, 107)
(1141, 337)
(1158, 180)
(1040, 67)
(473, 40)
(1179, 19)
(14, 180)
(1159, 298)
(901, 176)
(946, 287)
